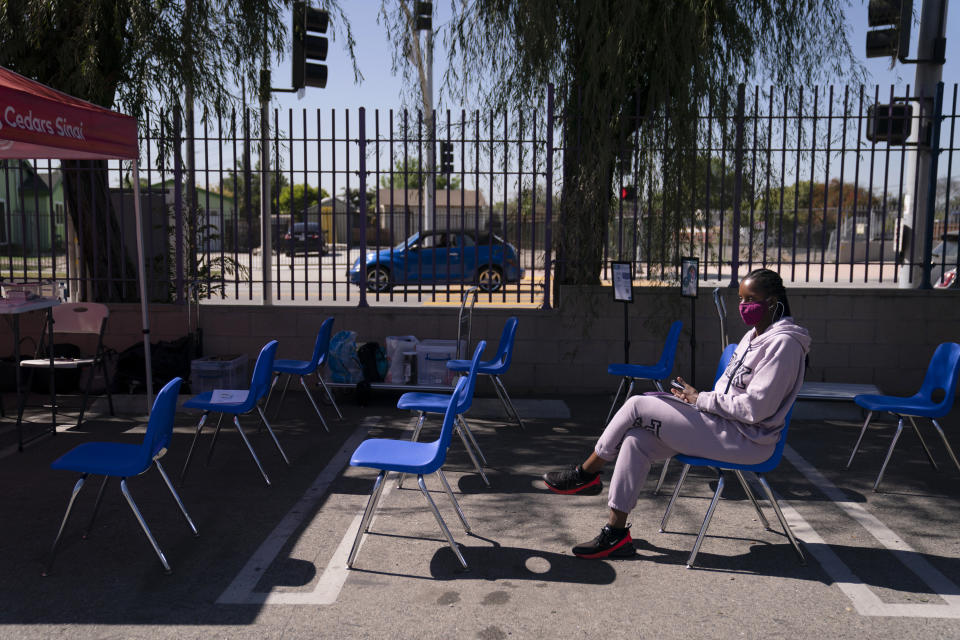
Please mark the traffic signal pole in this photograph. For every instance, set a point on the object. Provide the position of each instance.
(921, 180)
(430, 193)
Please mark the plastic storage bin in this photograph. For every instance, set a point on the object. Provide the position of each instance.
(218, 372)
(432, 356)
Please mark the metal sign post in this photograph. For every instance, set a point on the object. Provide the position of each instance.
(689, 287)
(623, 292)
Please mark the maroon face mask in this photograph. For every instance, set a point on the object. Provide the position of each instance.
(751, 312)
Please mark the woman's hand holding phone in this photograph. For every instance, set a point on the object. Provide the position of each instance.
(680, 389)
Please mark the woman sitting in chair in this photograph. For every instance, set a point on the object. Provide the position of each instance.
(738, 421)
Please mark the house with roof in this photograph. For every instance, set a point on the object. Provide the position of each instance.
(401, 211)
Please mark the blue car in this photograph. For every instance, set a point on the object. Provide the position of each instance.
(440, 257)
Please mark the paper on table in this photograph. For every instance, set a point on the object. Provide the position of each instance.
(229, 396)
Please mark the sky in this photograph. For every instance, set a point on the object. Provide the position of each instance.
(381, 88)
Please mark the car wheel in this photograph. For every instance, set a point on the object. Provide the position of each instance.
(490, 278)
(378, 279)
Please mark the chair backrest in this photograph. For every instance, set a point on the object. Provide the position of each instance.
(505, 348)
(465, 395)
(80, 317)
(323, 342)
(942, 373)
(262, 371)
(724, 361)
(670, 347)
(160, 424)
(449, 419)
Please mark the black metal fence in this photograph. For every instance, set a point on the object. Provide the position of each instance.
(783, 177)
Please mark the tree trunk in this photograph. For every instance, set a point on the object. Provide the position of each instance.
(111, 274)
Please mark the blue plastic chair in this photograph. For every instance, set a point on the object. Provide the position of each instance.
(425, 403)
(633, 372)
(720, 466)
(120, 460)
(941, 377)
(259, 385)
(721, 367)
(497, 367)
(303, 368)
(420, 458)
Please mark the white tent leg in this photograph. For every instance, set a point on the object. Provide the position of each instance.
(142, 277)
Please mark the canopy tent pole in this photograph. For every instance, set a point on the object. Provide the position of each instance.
(142, 277)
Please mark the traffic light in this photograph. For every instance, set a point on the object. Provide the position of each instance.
(423, 15)
(309, 44)
(894, 40)
(628, 192)
(890, 123)
(446, 157)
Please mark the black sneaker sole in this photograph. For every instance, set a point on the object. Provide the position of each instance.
(592, 488)
(623, 549)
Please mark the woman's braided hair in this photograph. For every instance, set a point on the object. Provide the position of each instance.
(771, 284)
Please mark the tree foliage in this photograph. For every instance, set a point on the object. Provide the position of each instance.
(629, 72)
(406, 174)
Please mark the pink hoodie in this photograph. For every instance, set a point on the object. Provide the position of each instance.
(761, 382)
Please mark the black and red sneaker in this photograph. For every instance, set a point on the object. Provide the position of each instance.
(573, 480)
(611, 543)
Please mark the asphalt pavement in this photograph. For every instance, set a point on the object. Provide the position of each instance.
(270, 560)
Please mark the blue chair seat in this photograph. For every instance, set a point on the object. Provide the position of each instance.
(426, 402)
(913, 405)
(397, 455)
(654, 372)
(294, 367)
(488, 367)
(115, 459)
(203, 401)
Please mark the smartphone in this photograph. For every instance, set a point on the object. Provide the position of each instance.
(676, 385)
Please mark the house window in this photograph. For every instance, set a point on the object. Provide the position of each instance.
(58, 213)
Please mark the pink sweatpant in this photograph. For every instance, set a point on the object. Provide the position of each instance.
(649, 428)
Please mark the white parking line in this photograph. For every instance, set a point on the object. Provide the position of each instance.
(241, 590)
(865, 601)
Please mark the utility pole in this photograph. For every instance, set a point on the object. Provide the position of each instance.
(918, 208)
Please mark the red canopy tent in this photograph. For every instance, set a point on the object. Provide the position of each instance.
(39, 122)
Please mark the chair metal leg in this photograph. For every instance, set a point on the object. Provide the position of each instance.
(273, 384)
(314, 403)
(63, 524)
(365, 520)
(616, 398)
(213, 440)
(96, 507)
(329, 395)
(283, 395)
(673, 498)
(443, 525)
(863, 430)
(456, 505)
(783, 521)
(923, 443)
(86, 394)
(497, 382)
(946, 443)
(659, 386)
(473, 441)
(473, 457)
(193, 444)
(421, 416)
(896, 436)
(143, 525)
(753, 499)
(176, 496)
(243, 436)
(273, 435)
(706, 520)
(107, 382)
(663, 476)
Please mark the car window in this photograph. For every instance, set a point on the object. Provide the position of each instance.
(951, 249)
(433, 240)
(464, 240)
